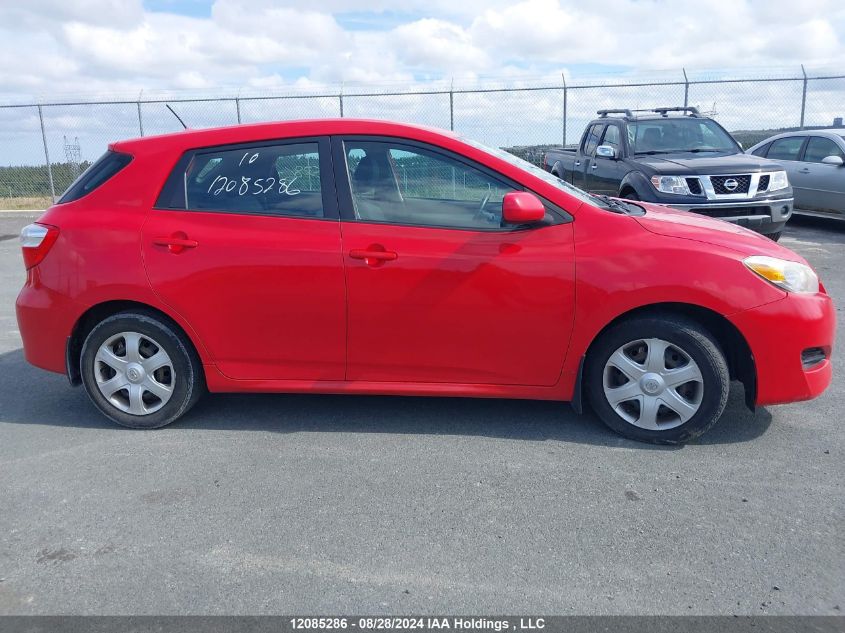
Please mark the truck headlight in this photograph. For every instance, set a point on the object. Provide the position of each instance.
(778, 180)
(790, 276)
(671, 184)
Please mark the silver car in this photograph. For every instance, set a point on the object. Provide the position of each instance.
(815, 163)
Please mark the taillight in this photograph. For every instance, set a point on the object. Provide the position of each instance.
(36, 241)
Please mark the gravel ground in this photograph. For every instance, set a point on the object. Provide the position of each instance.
(309, 504)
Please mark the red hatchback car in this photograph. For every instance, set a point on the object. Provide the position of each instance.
(349, 256)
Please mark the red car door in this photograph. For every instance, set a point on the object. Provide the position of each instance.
(438, 290)
(244, 243)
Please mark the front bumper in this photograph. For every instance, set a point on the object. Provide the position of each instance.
(778, 333)
(764, 216)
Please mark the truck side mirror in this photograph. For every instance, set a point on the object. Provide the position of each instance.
(605, 151)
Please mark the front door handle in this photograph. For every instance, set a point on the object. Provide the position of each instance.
(595, 165)
(804, 171)
(373, 255)
(175, 243)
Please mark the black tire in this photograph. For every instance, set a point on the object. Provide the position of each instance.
(630, 195)
(188, 379)
(775, 236)
(688, 336)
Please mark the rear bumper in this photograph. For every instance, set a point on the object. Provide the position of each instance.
(778, 333)
(764, 216)
(45, 320)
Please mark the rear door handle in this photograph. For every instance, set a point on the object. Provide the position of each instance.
(175, 243)
(577, 163)
(804, 171)
(595, 165)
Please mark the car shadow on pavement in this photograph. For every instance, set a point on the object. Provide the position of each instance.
(815, 229)
(31, 396)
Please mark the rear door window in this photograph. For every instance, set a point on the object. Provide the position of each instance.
(786, 148)
(762, 150)
(106, 166)
(282, 178)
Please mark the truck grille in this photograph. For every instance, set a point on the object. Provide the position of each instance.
(764, 182)
(694, 185)
(742, 184)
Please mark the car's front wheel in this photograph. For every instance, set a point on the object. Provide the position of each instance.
(140, 370)
(660, 379)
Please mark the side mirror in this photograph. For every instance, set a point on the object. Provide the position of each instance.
(833, 160)
(521, 207)
(605, 151)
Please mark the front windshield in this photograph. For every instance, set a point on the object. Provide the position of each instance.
(687, 134)
(532, 169)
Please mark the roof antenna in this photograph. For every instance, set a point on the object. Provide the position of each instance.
(176, 115)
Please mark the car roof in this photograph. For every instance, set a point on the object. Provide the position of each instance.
(256, 132)
(825, 132)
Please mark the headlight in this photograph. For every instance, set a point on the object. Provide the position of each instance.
(778, 180)
(790, 276)
(671, 184)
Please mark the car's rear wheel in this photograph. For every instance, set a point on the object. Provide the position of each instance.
(660, 379)
(140, 371)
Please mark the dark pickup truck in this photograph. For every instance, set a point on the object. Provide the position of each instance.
(678, 158)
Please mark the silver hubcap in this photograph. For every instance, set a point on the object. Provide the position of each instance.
(653, 384)
(134, 373)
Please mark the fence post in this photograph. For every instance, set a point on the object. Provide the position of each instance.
(452, 105)
(686, 88)
(340, 100)
(140, 119)
(47, 155)
(565, 91)
(803, 96)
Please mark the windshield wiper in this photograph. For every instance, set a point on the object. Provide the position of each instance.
(615, 206)
(680, 151)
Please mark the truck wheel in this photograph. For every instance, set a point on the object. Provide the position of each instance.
(140, 371)
(659, 379)
(630, 195)
(775, 236)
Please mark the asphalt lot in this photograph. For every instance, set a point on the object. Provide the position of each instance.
(309, 504)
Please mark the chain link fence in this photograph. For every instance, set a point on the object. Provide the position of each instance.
(43, 147)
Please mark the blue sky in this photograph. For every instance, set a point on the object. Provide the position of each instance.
(93, 50)
(128, 46)
(190, 8)
(362, 20)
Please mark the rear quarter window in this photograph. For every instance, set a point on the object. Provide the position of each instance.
(96, 175)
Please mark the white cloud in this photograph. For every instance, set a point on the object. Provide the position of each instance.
(115, 45)
(61, 49)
